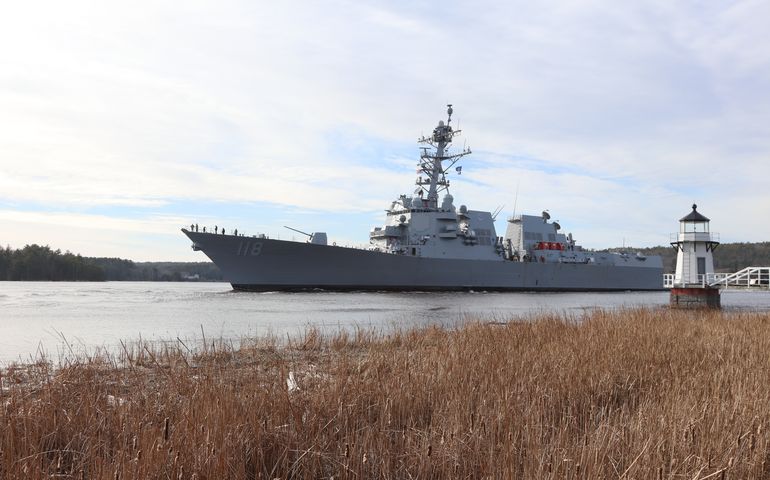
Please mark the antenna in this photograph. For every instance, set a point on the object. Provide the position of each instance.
(497, 212)
(516, 198)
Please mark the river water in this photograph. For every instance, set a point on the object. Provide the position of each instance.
(58, 317)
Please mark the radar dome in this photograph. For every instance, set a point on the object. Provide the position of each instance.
(402, 218)
(463, 209)
(440, 123)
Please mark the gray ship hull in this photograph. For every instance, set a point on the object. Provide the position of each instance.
(261, 264)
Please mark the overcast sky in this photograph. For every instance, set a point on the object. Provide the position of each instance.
(121, 122)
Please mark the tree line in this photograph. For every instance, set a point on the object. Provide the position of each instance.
(34, 262)
(728, 257)
(41, 263)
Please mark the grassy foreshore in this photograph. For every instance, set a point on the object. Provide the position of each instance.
(633, 394)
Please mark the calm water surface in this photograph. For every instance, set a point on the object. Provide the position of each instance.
(48, 316)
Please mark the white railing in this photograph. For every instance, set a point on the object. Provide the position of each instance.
(749, 277)
(694, 237)
(669, 280)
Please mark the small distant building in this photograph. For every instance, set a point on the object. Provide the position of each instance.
(695, 246)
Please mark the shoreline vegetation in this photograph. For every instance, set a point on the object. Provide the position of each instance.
(41, 263)
(36, 263)
(638, 393)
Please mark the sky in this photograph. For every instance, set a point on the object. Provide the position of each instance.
(122, 122)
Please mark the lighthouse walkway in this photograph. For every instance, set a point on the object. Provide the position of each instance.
(748, 278)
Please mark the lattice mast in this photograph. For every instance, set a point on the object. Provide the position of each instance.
(432, 161)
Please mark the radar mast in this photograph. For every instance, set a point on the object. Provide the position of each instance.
(432, 161)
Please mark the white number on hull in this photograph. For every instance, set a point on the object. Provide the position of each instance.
(248, 248)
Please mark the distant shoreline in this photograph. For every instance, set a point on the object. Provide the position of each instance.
(41, 263)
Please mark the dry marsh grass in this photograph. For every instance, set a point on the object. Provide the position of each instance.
(646, 394)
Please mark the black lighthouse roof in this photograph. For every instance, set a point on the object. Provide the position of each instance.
(694, 216)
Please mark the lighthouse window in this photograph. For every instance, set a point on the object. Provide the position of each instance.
(701, 265)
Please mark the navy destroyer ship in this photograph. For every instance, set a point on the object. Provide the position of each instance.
(427, 243)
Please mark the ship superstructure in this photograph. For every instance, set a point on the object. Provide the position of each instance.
(418, 225)
(428, 243)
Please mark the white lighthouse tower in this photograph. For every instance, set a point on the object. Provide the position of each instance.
(695, 246)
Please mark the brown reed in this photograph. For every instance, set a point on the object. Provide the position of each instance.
(626, 394)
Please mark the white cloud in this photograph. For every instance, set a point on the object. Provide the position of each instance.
(97, 235)
(623, 112)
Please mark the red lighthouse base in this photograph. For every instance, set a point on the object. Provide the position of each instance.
(698, 297)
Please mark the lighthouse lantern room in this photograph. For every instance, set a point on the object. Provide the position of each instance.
(695, 245)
